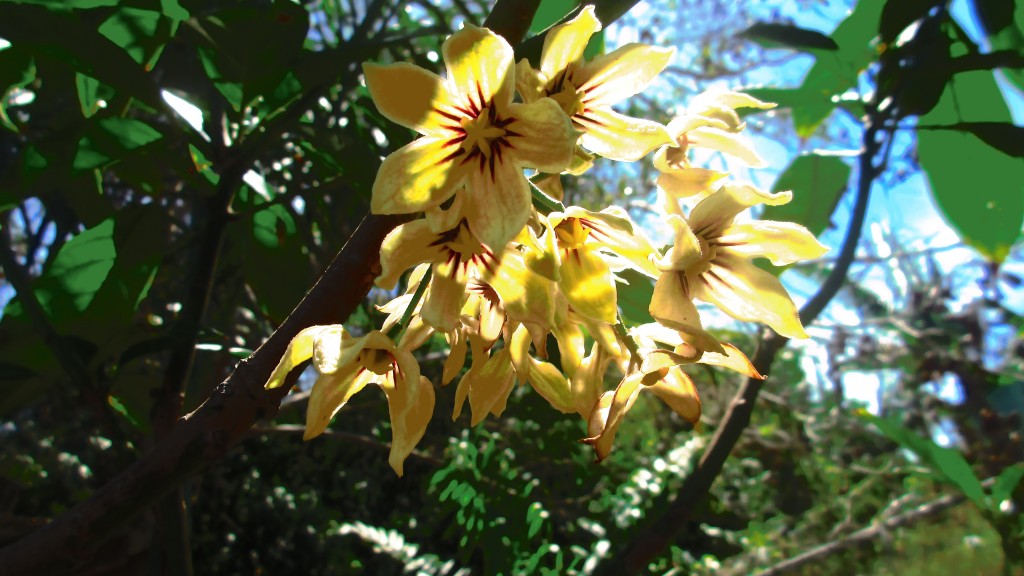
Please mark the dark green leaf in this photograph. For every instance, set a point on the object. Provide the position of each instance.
(947, 463)
(79, 270)
(771, 35)
(1003, 136)
(1003, 20)
(635, 297)
(978, 188)
(141, 33)
(898, 14)
(809, 108)
(17, 68)
(1006, 483)
(817, 183)
(70, 4)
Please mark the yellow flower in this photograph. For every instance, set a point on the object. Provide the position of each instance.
(710, 122)
(710, 261)
(584, 275)
(345, 366)
(587, 90)
(473, 135)
(455, 256)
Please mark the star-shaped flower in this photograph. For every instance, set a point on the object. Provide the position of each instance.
(587, 90)
(473, 135)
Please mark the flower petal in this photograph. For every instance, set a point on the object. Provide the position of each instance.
(587, 382)
(549, 382)
(542, 136)
(417, 176)
(498, 204)
(409, 95)
(671, 307)
(588, 284)
(529, 82)
(299, 350)
(688, 182)
(410, 405)
(527, 297)
(480, 66)
(456, 356)
(677, 390)
(714, 213)
(615, 76)
(733, 359)
(491, 386)
(728, 142)
(445, 297)
(781, 242)
(404, 247)
(564, 44)
(686, 249)
(748, 293)
(620, 137)
(331, 392)
(617, 404)
(615, 230)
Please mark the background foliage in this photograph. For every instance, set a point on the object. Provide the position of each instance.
(174, 175)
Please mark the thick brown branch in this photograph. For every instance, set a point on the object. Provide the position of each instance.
(205, 435)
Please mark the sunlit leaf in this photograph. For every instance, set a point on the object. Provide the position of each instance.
(817, 182)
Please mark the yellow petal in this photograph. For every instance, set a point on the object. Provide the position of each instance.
(732, 100)
(410, 405)
(445, 297)
(620, 137)
(622, 73)
(677, 390)
(608, 423)
(456, 356)
(671, 307)
(329, 352)
(748, 293)
(781, 242)
(564, 44)
(416, 333)
(529, 82)
(587, 382)
(519, 350)
(444, 219)
(299, 350)
(491, 386)
(498, 204)
(404, 247)
(480, 66)
(543, 136)
(570, 346)
(417, 176)
(616, 231)
(588, 284)
(686, 249)
(733, 359)
(331, 392)
(688, 182)
(716, 211)
(492, 319)
(526, 296)
(728, 142)
(549, 382)
(408, 95)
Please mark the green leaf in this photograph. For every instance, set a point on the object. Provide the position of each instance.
(948, 463)
(809, 108)
(74, 41)
(898, 14)
(1006, 483)
(634, 297)
(817, 182)
(1003, 136)
(979, 189)
(1003, 20)
(141, 33)
(78, 271)
(771, 35)
(108, 140)
(70, 4)
(17, 68)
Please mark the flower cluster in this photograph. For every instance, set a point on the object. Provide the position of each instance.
(498, 268)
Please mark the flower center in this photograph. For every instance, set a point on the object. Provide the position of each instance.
(571, 233)
(376, 360)
(569, 98)
(481, 132)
